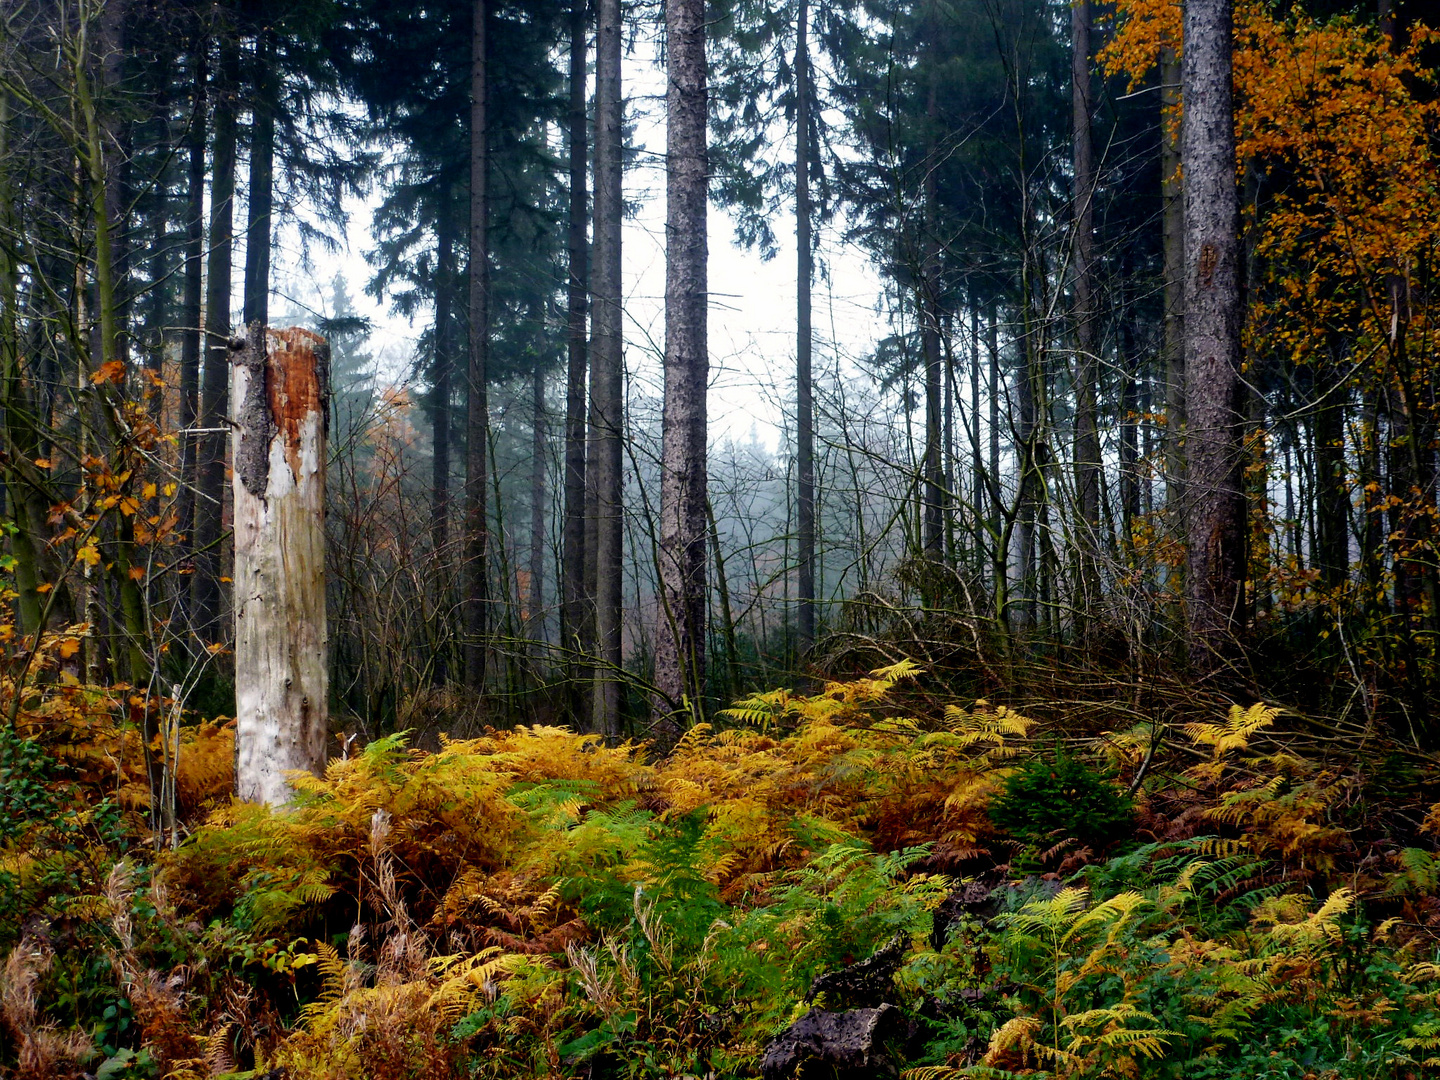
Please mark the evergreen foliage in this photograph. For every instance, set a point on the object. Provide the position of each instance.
(1049, 800)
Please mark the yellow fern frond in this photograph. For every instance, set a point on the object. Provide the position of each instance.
(1236, 732)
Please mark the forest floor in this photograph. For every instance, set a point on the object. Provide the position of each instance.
(866, 881)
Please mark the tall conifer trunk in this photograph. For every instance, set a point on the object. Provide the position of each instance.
(992, 348)
(604, 472)
(477, 421)
(1173, 248)
(535, 601)
(1215, 494)
(804, 340)
(1087, 435)
(444, 384)
(261, 194)
(680, 645)
(215, 387)
(576, 606)
(190, 314)
(933, 533)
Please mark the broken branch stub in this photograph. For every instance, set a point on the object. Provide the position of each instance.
(280, 389)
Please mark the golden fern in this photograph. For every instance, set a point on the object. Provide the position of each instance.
(466, 979)
(1235, 734)
(1320, 927)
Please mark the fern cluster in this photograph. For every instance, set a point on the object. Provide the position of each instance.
(535, 903)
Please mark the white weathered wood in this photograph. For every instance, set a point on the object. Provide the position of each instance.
(279, 389)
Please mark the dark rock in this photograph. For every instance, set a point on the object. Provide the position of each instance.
(835, 1045)
(973, 899)
(867, 983)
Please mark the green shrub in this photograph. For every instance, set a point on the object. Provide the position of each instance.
(1049, 800)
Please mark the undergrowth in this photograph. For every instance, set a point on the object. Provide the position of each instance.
(534, 903)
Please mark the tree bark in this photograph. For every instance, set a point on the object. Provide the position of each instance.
(607, 417)
(1129, 434)
(444, 386)
(577, 605)
(117, 128)
(804, 341)
(1027, 468)
(281, 382)
(680, 646)
(26, 505)
(1215, 495)
(259, 226)
(190, 315)
(1332, 517)
(992, 347)
(215, 387)
(977, 460)
(1087, 435)
(535, 601)
(934, 498)
(1173, 244)
(477, 420)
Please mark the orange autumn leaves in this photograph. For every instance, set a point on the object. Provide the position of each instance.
(1334, 138)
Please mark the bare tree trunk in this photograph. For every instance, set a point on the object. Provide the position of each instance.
(28, 510)
(1087, 435)
(607, 417)
(443, 375)
(1215, 494)
(536, 599)
(215, 387)
(1332, 518)
(261, 194)
(577, 605)
(977, 461)
(281, 388)
(952, 402)
(1027, 479)
(804, 341)
(477, 420)
(934, 497)
(1001, 556)
(1372, 498)
(190, 315)
(680, 647)
(1173, 243)
(727, 615)
(1129, 433)
(117, 132)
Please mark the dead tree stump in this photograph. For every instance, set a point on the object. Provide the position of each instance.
(279, 402)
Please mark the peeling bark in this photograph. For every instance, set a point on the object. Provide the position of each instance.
(281, 385)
